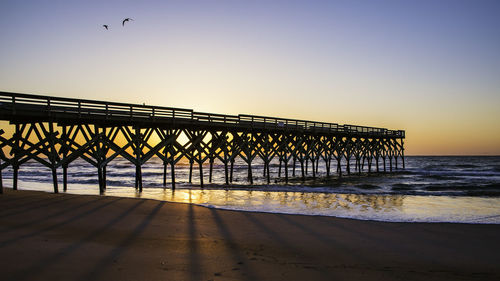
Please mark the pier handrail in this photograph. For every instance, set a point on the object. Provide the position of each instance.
(215, 118)
(265, 122)
(93, 108)
(276, 122)
(87, 107)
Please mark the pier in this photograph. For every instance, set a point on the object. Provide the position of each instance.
(55, 131)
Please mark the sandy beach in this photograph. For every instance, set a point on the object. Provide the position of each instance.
(47, 236)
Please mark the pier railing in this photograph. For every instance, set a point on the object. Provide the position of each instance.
(35, 105)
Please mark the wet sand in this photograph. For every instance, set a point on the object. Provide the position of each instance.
(75, 237)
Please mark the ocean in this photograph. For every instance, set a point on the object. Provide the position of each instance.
(462, 189)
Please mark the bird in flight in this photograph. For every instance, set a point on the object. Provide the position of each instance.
(127, 19)
(105, 26)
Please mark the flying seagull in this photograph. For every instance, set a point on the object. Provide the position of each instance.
(105, 26)
(127, 19)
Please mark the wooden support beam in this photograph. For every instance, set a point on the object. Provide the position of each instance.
(339, 167)
(385, 169)
(286, 167)
(98, 151)
(104, 182)
(250, 176)
(15, 173)
(226, 175)
(138, 153)
(358, 165)
(64, 152)
(3, 142)
(328, 164)
(279, 169)
(100, 180)
(52, 155)
(15, 165)
(191, 171)
(172, 166)
(54, 178)
(390, 163)
(402, 153)
(138, 176)
(302, 169)
(313, 163)
(200, 163)
(65, 178)
(1, 179)
(268, 174)
(164, 173)
(211, 162)
(231, 174)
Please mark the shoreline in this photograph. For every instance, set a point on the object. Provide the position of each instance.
(393, 208)
(269, 212)
(47, 236)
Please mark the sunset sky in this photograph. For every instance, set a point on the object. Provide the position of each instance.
(431, 68)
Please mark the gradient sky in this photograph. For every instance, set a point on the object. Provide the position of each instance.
(431, 68)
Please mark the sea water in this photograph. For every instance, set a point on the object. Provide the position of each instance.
(463, 189)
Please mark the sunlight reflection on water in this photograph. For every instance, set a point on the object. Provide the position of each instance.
(381, 207)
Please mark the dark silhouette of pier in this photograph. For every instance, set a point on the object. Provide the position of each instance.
(55, 131)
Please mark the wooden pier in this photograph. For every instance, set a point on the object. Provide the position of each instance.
(55, 131)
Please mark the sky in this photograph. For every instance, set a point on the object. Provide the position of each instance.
(431, 68)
